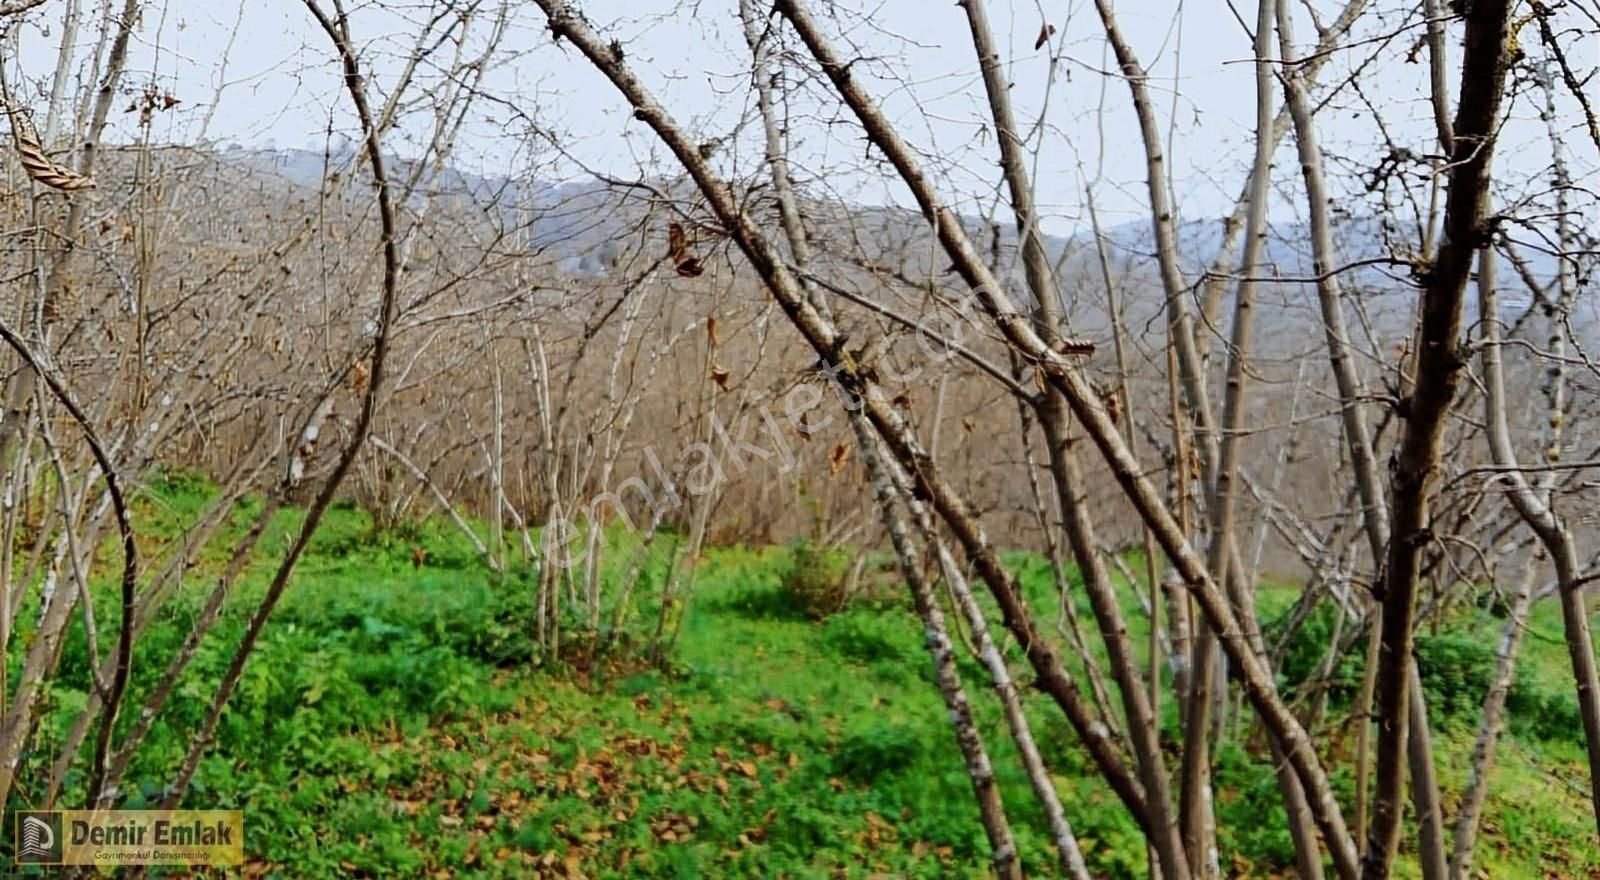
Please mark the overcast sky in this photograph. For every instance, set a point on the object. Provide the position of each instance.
(282, 88)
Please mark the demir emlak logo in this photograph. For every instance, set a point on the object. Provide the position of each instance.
(129, 837)
(38, 837)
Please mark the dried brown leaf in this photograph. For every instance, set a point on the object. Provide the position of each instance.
(359, 374)
(1046, 31)
(34, 161)
(684, 260)
(839, 458)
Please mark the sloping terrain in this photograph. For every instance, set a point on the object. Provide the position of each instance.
(393, 723)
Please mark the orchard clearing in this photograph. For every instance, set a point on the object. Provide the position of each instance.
(396, 722)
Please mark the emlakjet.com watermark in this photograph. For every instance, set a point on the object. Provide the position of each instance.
(128, 837)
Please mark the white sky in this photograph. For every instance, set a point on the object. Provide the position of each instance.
(282, 87)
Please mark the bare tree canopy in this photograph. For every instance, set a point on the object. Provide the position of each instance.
(1212, 392)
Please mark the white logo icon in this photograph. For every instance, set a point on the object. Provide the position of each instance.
(37, 838)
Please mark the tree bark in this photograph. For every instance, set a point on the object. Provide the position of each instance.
(1143, 727)
(1255, 677)
(1414, 470)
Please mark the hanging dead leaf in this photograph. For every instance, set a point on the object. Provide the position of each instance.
(65, 301)
(34, 161)
(1046, 31)
(711, 330)
(805, 426)
(966, 425)
(359, 374)
(683, 259)
(1113, 407)
(720, 376)
(839, 458)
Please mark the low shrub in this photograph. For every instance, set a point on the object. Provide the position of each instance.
(872, 637)
(1455, 675)
(881, 749)
(1306, 652)
(1542, 713)
(816, 578)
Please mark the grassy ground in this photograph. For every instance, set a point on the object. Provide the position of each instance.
(392, 724)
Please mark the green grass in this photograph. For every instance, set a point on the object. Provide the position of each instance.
(393, 723)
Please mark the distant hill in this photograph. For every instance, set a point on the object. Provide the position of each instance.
(583, 225)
